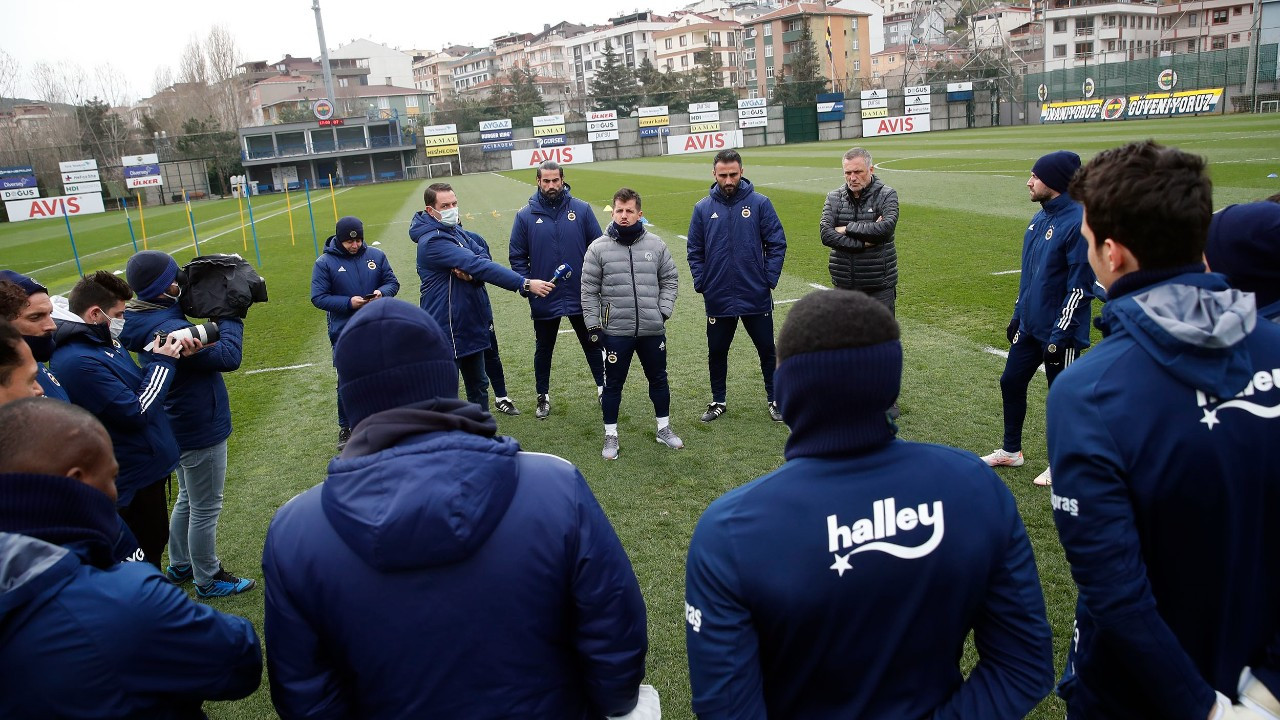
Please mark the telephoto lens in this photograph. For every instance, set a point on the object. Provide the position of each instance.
(206, 333)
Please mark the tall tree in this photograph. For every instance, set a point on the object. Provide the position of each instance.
(802, 80)
(614, 86)
(706, 82)
(657, 87)
(523, 99)
(202, 140)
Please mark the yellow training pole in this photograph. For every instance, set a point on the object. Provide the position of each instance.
(333, 200)
(244, 239)
(190, 221)
(143, 219)
(288, 204)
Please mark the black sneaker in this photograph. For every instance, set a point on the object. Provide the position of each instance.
(179, 574)
(774, 412)
(344, 434)
(714, 410)
(224, 584)
(505, 406)
(544, 407)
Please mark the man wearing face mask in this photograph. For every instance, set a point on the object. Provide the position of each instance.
(101, 377)
(34, 319)
(200, 415)
(453, 270)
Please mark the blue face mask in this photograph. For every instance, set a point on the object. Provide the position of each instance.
(449, 217)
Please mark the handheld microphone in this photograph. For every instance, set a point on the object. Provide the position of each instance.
(562, 272)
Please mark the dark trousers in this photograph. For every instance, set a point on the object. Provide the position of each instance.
(887, 298)
(1025, 356)
(493, 366)
(147, 515)
(544, 338)
(474, 379)
(720, 333)
(342, 413)
(652, 351)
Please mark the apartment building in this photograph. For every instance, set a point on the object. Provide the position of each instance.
(1206, 25)
(1088, 32)
(678, 46)
(771, 42)
(631, 37)
(992, 25)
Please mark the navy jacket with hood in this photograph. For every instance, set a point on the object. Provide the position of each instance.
(546, 235)
(101, 376)
(1055, 290)
(197, 403)
(339, 276)
(440, 572)
(1165, 486)
(736, 250)
(460, 308)
(82, 635)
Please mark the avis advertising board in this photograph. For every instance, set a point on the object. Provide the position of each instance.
(54, 207)
(703, 142)
(565, 155)
(899, 125)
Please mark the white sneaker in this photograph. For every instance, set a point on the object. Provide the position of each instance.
(667, 437)
(1000, 458)
(610, 451)
(1044, 479)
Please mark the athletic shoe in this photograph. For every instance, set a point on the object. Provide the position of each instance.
(714, 410)
(344, 434)
(610, 451)
(1043, 479)
(895, 412)
(179, 574)
(544, 407)
(224, 584)
(505, 406)
(667, 437)
(1000, 458)
(774, 413)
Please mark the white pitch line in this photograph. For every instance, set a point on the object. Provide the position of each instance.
(1003, 354)
(816, 286)
(785, 302)
(277, 369)
(1007, 272)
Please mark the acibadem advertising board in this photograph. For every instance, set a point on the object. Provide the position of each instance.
(1133, 107)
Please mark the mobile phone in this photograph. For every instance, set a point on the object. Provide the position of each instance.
(370, 296)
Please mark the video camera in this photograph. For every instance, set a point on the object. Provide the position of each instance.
(206, 333)
(215, 286)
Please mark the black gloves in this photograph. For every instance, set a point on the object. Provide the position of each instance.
(1054, 355)
(595, 335)
(1012, 330)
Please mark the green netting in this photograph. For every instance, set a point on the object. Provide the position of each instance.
(1216, 68)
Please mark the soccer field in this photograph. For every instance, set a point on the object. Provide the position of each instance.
(964, 208)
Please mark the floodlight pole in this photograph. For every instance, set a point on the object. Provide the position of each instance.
(324, 54)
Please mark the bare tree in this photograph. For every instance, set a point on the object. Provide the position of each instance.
(10, 71)
(222, 57)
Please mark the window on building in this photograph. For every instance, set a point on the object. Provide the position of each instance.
(667, 43)
(853, 23)
(1148, 22)
(1060, 26)
(733, 78)
(684, 61)
(875, 61)
(1237, 10)
(768, 29)
(793, 25)
(671, 63)
(1221, 16)
(857, 64)
(715, 39)
(875, 74)
(768, 72)
(1111, 45)
(342, 82)
(733, 58)
(768, 51)
(753, 93)
(684, 40)
(1059, 51)
(749, 54)
(1219, 42)
(751, 76)
(1193, 19)
(853, 45)
(411, 101)
(1235, 37)
(1109, 21)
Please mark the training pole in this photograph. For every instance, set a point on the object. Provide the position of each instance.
(315, 243)
(244, 238)
(334, 200)
(127, 219)
(288, 205)
(191, 221)
(142, 218)
(249, 201)
(76, 253)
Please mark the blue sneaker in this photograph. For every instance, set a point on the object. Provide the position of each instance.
(179, 574)
(224, 584)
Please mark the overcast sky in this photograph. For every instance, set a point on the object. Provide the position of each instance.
(138, 36)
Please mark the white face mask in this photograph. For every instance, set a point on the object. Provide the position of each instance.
(449, 217)
(173, 297)
(117, 327)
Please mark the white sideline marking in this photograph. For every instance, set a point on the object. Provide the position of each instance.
(275, 369)
(1007, 272)
(816, 286)
(1003, 354)
(784, 302)
(564, 332)
(682, 237)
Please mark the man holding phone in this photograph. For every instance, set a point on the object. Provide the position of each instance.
(347, 276)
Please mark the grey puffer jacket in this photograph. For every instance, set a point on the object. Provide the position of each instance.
(628, 289)
(864, 256)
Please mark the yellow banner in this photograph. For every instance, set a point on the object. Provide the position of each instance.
(655, 121)
(441, 150)
(875, 113)
(440, 140)
(548, 130)
(704, 127)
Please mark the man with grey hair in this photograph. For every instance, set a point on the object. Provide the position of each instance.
(858, 222)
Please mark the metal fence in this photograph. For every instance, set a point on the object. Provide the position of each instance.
(1215, 68)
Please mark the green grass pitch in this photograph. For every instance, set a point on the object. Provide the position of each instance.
(964, 210)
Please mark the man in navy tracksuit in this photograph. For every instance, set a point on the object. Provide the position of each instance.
(736, 250)
(454, 269)
(101, 377)
(83, 634)
(346, 277)
(200, 415)
(1050, 322)
(843, 584)
(1164, 454)
(555, 229)
(1244, 245)
(438, 571)
(492, 358)
(35, 321)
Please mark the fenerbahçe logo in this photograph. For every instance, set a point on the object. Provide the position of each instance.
(1263, 382)
(885, 522)
(1113, 108)
(373, 265)
(746, 212)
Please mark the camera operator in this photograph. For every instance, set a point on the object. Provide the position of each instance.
(199, 413)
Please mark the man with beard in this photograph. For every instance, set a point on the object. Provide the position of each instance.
(736, 249)
(34, 319)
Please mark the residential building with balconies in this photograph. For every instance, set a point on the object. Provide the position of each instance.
(472, 69)
(1206, 25)
(772, 41)
(1090, 32)
(679, 46)
(630, 36)
(992, 25)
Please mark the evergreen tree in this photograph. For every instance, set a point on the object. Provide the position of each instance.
(658, 88)
(802, 80)
(706, 84)
(614, 86)
(523, 99)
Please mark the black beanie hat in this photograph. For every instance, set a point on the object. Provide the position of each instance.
(28, 284)
(349, 228)
(1244, 245)
(1056, 168)
(392, 354)
(150, 273)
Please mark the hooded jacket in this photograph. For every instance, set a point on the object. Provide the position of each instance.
(863, 257)
(736, 250)
(461, 308)
(197, 403)
(1163, 446)
(120, 636)
(629, 288)
(546, 235)
(1055, 289)
(440, 572)
(339, 276)
(101, 376)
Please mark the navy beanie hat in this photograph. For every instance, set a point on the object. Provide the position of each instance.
(150, 273)
(1244, 245)
(28, 285)
(349, 228)
(392, 354)
(1056, 169)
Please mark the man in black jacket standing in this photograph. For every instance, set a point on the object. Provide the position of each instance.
(858, 221)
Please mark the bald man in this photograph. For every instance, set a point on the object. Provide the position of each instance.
(71, 615)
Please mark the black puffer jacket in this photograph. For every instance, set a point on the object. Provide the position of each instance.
(864, 257)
